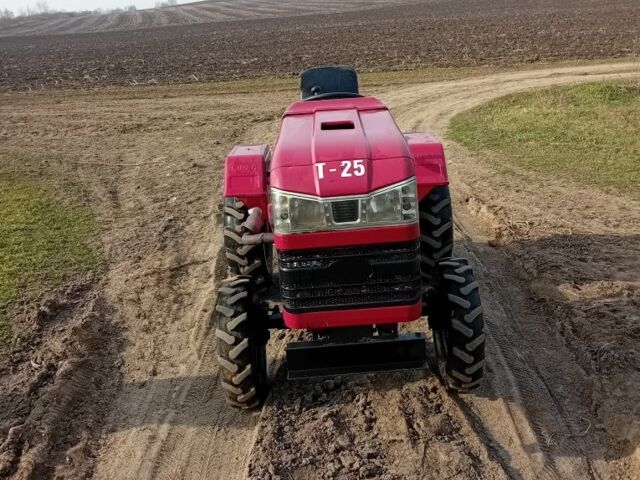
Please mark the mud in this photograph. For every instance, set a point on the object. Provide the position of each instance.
(129, 384)
(57, 383)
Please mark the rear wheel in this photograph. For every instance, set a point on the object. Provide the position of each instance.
(458, 326)
(240, 330)
(436, 232)
(252, 260)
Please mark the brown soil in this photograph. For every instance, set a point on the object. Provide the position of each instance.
(433, 33)
(118, 378)
(60, 364)
(185, 14)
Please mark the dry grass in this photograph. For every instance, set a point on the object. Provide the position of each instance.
(586, 133)
(44, 238)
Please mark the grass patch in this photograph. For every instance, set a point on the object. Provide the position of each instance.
(44, 237)
(586, 133)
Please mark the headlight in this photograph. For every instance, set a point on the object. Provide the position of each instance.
(384, 207)
(306, 214)
(394, 205)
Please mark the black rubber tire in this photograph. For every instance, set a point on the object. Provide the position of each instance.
(436, 232)
(458, 326)
(243, 259)
(241, 343)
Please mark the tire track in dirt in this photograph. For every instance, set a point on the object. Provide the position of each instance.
(152, 172)
(530, 370)
(152, 166)
(532, 417)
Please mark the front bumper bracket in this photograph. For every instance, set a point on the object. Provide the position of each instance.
(311, 359)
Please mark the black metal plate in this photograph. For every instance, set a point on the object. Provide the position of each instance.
(319, 359)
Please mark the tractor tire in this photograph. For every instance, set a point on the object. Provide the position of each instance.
(242, 259)
(458, 326)
(241, 343)
(436, 232)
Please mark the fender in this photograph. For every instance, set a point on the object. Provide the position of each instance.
(245, 175)
(429, 162)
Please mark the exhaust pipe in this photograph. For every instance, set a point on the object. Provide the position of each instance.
(254, 224)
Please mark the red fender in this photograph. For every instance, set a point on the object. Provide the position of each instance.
(245, 175)
(429, 162)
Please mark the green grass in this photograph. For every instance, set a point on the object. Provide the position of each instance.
(587, 133)
(44, 238)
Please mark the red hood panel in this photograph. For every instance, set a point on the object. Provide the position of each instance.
(326, 150)
(304, 178)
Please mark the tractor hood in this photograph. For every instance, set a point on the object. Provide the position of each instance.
(330, 148)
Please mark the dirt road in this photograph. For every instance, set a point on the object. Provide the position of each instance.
(560, 400)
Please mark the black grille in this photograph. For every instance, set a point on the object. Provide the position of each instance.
(344, 211)
(340, 278)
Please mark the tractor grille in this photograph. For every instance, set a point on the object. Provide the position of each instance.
(352, 277)
(345, 211)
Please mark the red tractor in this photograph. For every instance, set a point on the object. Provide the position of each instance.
(349, 222)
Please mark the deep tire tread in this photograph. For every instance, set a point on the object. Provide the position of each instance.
(436, 231)
(239, 330)
(242, 259)
(463, 323)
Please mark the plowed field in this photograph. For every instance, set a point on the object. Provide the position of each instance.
(434, 33)
(185, 14)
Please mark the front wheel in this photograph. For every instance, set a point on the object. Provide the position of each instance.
(252, 260)
(458, 326)
(436, 232)
(241, 334)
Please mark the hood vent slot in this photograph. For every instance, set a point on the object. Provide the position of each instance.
(337, 125)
